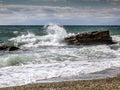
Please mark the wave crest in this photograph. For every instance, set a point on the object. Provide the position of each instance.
(54, 37)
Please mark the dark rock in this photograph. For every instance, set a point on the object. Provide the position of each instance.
(88, 38)
(3, 47)
(13, 48)
(8, 48)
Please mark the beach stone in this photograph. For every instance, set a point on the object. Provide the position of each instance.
(88, 38)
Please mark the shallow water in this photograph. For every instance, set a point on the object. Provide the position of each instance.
(44, 57)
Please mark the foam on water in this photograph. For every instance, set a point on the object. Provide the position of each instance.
(19, 75)
(54, 37)
(56, 54)
(44, 63)
(116, 38)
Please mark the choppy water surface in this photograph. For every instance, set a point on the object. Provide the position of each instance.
(44, 57)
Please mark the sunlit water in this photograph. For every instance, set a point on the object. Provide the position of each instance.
(45, 57)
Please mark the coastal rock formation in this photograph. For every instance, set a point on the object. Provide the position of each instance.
(88, 38)
(8, 48)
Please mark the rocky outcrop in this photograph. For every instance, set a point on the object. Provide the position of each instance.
(88, 38)
(8, 48)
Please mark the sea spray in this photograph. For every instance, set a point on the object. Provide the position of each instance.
(45, 64)
(56, 33)
(24, 39)
(54, 37)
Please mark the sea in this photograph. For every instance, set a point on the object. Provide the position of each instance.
(44, 57)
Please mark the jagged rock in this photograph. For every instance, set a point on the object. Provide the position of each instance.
(88, 38)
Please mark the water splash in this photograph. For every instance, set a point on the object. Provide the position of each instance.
(57, 33)
(54, 37)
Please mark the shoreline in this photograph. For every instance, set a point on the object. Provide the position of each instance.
(112, 83)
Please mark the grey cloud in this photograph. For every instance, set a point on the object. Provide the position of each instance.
(1, 2)
(50, 0)
(114, 1)
(23, 13)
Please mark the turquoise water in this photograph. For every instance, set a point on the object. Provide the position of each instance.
(43, 57)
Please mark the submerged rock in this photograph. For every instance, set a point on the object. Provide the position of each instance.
(88, 38)
(8, 46)
(13, 48)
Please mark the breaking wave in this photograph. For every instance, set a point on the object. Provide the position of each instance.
(52, 63)
(54, 37)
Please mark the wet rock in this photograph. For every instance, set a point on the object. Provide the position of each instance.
(3, 47)
(13, 48)
(8, 48)
(88, 38)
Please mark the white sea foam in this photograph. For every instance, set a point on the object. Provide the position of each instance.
(116, 38)
(54, 37)
(32, 73)
(47, 63)
(22, 67)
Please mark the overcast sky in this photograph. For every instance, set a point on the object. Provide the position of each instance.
(80, 12)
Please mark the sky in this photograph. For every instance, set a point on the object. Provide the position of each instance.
(64, 12)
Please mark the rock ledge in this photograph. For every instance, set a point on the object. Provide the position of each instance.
(89, 38)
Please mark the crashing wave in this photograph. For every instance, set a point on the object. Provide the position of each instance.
(54, 37)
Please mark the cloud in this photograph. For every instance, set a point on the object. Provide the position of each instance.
(109, 1)
(50, 0)
(21, 14)
(1, 1)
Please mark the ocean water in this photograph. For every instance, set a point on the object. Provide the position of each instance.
(43, 57)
